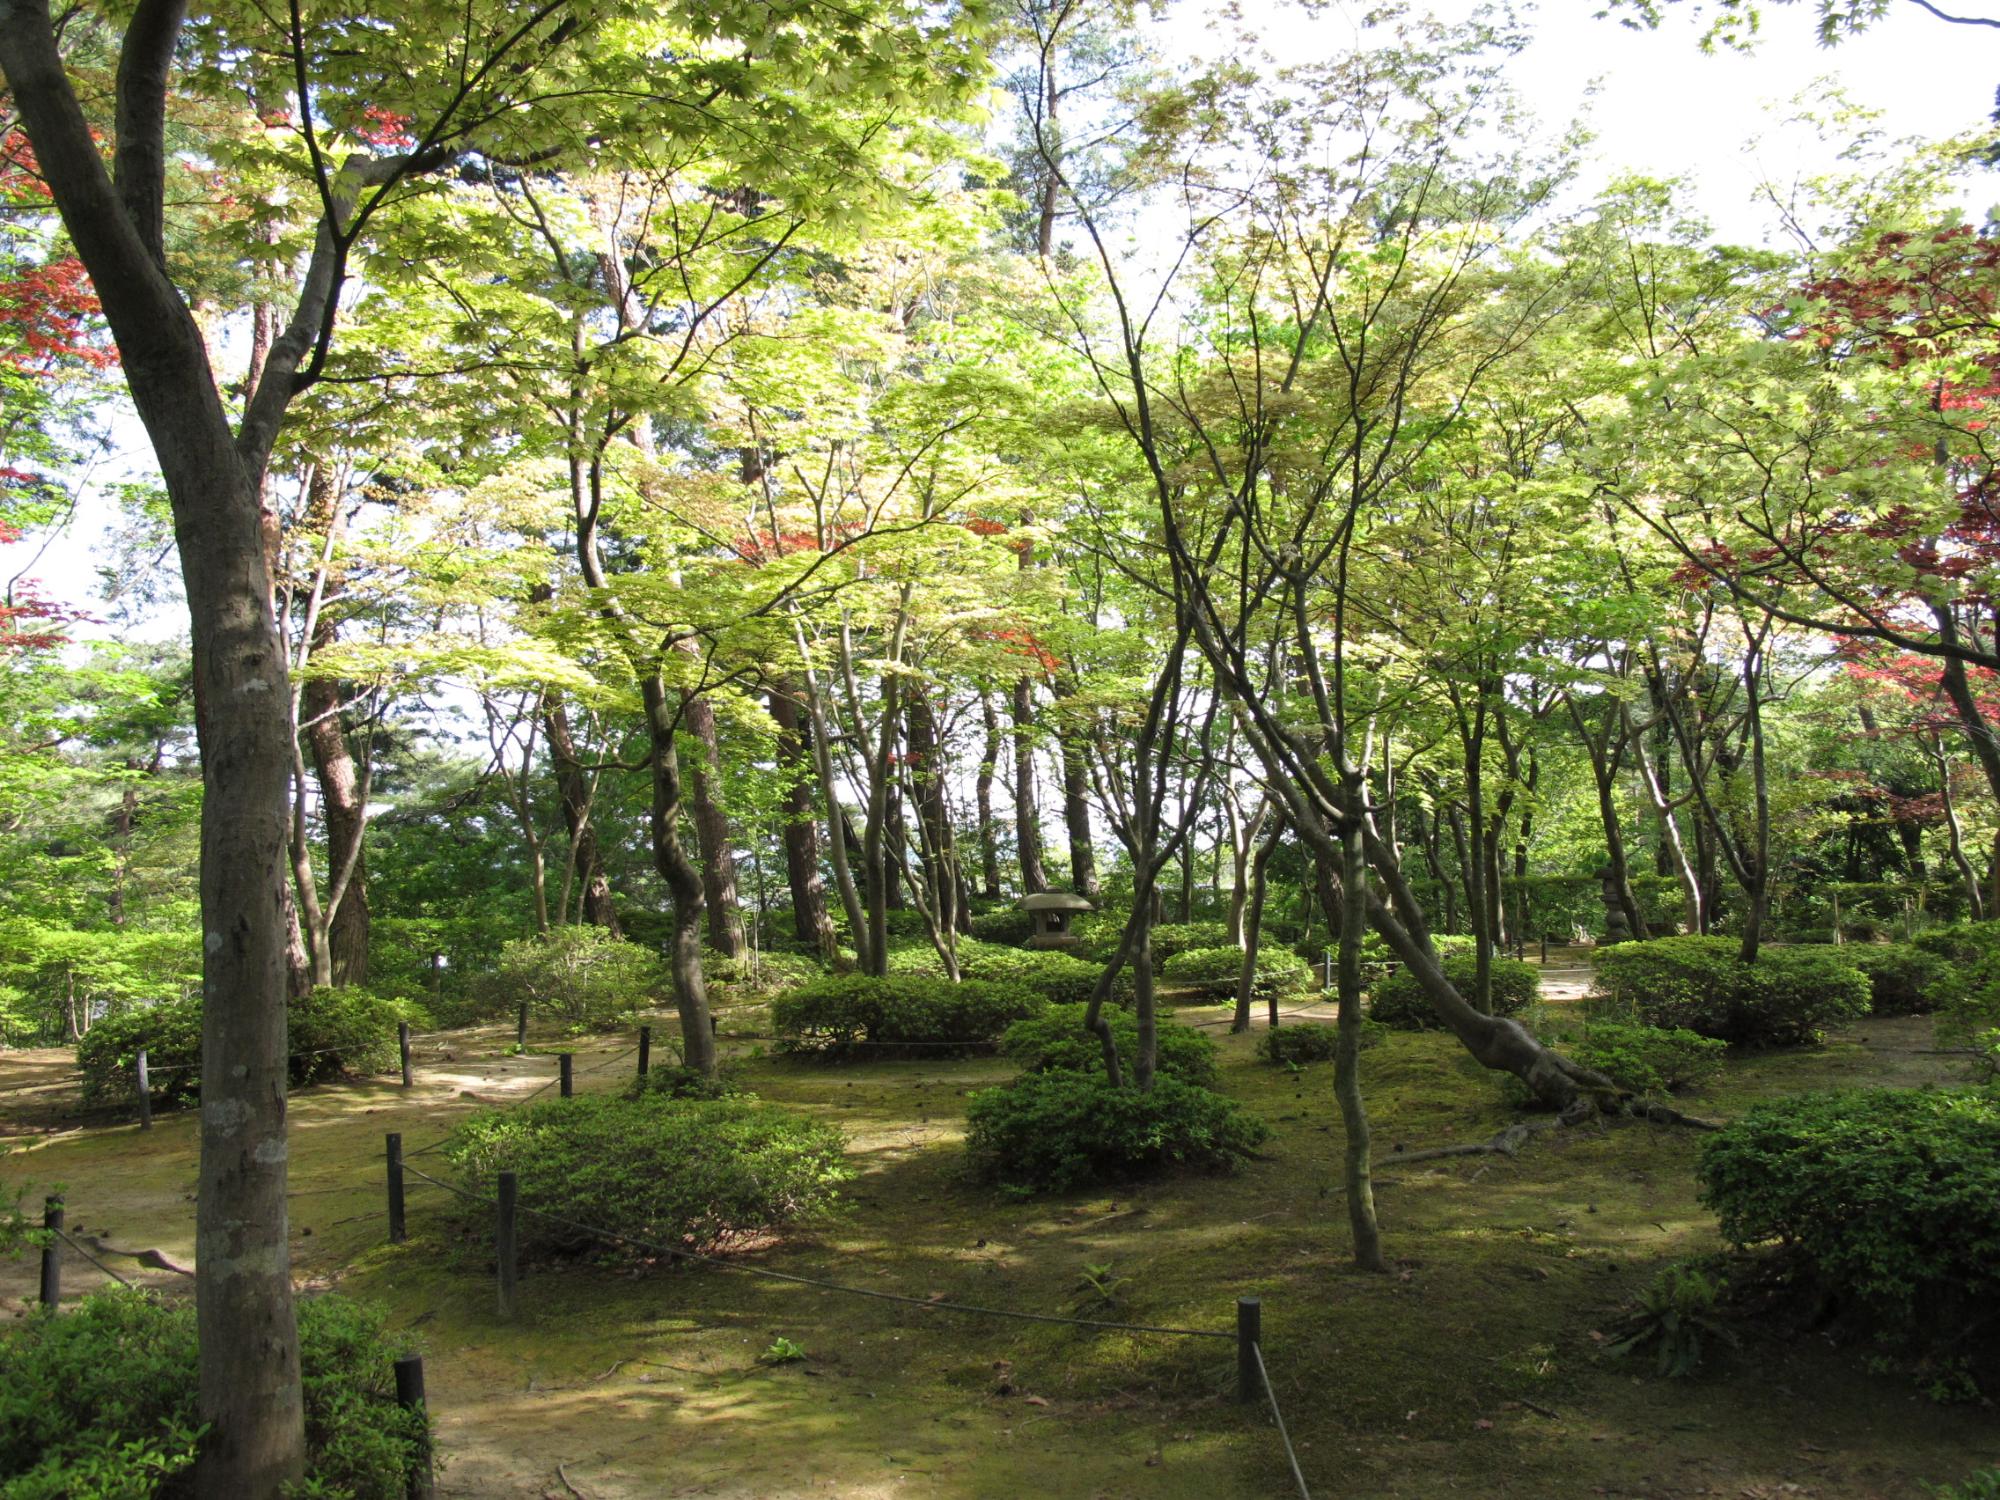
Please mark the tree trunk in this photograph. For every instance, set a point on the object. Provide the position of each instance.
(1027, 816)
(711, 829)
(809, 917)
(1359, 1177)
(989, 761)
(344, 810)
(578, 794)
(1253, 929)
(683, 879)
(1076, 816)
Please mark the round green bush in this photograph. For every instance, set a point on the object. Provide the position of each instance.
(1961, 943)
(1787, 998)
(99, 1401)
(1215, 971)
(1169, 939)
(690, 1174)
(1648, 1059)
(1890, 1198)
(759, 974)
(1056, 976)
(1300, 1042)
(927, 1016)
(329, 1034)
(1903, 979)
(1400, 1003)
(1009, 925)
(582, 978)
(1055, 1132)
(1055, 1042)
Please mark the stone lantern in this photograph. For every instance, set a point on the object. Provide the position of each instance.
(1616, 928)
(1052, 911)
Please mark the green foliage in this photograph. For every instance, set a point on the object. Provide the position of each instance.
(766, 973)
(1699, 984)
(1215, 971)
(1055, 1042)
(855, 1012)
(1890, 1199)
(1981, 1484)
(1008, 925)
(580, 977)
(1673, 1315)
(1648, 1059)
(99, 1401)
(1097, 1287)
(1056, 1132)
(1170, 939)
(782, 1351)
(329, 1033)
(1057, 977)
(1399, 1002)
(690, 1174)
(1962, 943)
(1302, 1042)
(1904, 979)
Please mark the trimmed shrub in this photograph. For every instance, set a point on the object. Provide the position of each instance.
(1400, 1003)
(329, 1034)
(768, 972)
(100, 1401)
(1055, 1132)
(1057, 977)
(1008, 925)
(1786, 998)
(1903, 979)
(1648, 1059)
(1055, 1042)
(1961, 943)
(580, 977)
(1889, 1198)
(1214, 971)
(856, 1012)
(1171, 938)
(690, 1174)
(1305, 1042)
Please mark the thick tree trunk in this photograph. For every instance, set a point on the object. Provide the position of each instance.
(711, 829)
(248, 1380)
(1076, 814)
(578, 794)
(683, 878)
(809, 916)
(344, 811)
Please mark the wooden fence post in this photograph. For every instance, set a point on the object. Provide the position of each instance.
(1249, 1331)
(410, 1396)
(506, 1243)
(521, 1027)
(566, 1061)
(403, 1046)
(398, 1230)
(145, 1093)
(52, 1220)
(645, 1049)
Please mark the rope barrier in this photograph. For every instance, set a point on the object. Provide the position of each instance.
(61, 1235)
(834, 1286)
(1264, 1377)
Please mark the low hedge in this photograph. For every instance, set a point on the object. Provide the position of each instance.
(686, 1173)
(1305, 1042)
(1008, 925)
(1889, 1198)
(856, 1012)
(329, 1034)
(1169, 939)
(1058, 977)
(1215, 971)
(1400, 1003)
(99, 1401)
(1903, 979)
(1055, 1042)
(1056, 1132)
(1648, 1059)
(1787, 998)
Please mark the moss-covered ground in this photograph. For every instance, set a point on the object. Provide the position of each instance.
(1474, 1368)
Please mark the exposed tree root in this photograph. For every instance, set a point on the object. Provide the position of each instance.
(1509, 1142)
(151, 1259)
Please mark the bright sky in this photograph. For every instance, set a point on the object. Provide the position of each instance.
(1663, 107)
